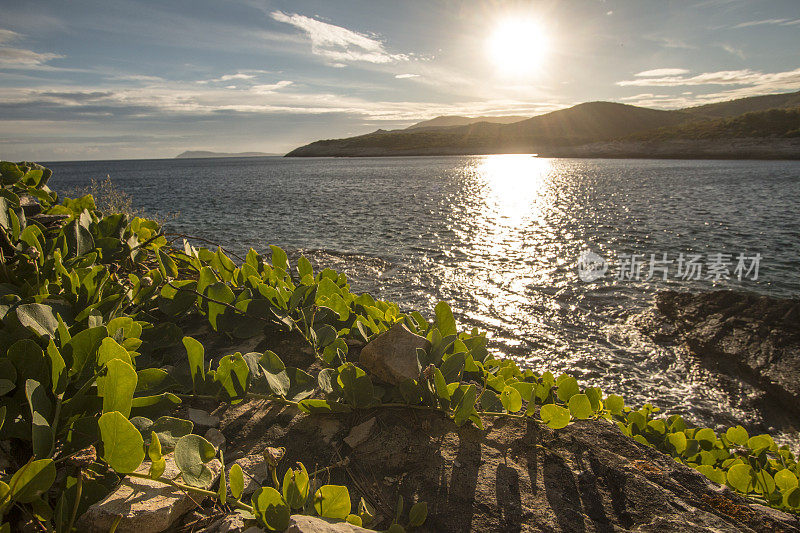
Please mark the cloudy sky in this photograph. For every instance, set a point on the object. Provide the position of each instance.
(113, 79)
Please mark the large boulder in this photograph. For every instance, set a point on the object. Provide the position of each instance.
(392, 355)
(146, 506)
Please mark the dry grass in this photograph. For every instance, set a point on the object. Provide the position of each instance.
(109, 198)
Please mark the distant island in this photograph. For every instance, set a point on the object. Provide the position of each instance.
(200, 154)
(759, 127)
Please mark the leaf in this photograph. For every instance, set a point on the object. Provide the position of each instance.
(195, 353)
(296, 486)
(32, 480)
(236, 480)
(279, 259)
(741, 477)
(737, 435)
(157, 463)
(580, 407)
(275, 373)
(304, 267)
(792, 498)
(417, 514)
(270, 509)
(332, 501)
(192, 452)
(38, 318)
(554, 416)
(356, 385)
(41, 412)
(441, 385)
(58, 374)
(29, 361)
(222, 490)
(465, 405)
(170, 429)
(786, 479)
(123, 445)
(511, 399)
(319, 406)
(221, 293)
(302, 384)
(81, 348)
(678, 441)
(444, 319)
(118, 386)
(567, 388)
(615, 404)
(232, 373)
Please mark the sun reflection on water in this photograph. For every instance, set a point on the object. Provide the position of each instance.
(515, 182)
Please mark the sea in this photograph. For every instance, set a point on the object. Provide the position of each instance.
(551, 257)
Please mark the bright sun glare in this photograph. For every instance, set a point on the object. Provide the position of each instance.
(517, 46)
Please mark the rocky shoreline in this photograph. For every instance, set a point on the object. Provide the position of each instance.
(744, 339)
(516, 475)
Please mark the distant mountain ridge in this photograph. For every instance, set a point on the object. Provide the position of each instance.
(449, 121)
(201, 154)
(593, 125)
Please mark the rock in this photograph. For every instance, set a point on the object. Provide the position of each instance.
(359, 433)
(312, 524)
(215, 437)
(202, 418)
(392, 355)
(147, 506)
(232, 523)
(753, 338)
(255, 471)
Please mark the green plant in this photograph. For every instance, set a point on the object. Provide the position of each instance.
(88, 301)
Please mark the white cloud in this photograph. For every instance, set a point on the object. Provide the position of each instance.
(337, 43)
(733, 50)
(7, 35)
(662, 72)
(789, 79)
(19, 58)
(406, 76)
(263, 89)
(765, 22)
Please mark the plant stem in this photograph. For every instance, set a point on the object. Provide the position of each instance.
(78, 491)
(189, 488)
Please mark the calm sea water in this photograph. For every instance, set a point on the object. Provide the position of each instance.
(498, 237)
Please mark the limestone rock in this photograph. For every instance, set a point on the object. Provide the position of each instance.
(215, 437)
(392, 355)
(255, 471)
(202, 418)
(313, 524)
(147, 506)
(360, 433)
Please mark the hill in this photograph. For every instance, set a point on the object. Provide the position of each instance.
(450, 121)
(200, 154)
(732, 108)
(592, 129)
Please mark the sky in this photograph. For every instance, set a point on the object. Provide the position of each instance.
(124, 79)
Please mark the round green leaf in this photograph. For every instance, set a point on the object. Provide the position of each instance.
(737, 435)
(786, 479)
(741, 477)
(791, 499)
(567, 388)
(580, 406)
(554, 416)
(332, 501)
(678, 441)
(118, 386)
(270, 508)
(511, 399)
(123, 445)
(192, 452)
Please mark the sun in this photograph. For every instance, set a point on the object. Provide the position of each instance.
(517, 47)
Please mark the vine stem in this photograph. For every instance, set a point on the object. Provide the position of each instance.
(188, 488)
(78, 491)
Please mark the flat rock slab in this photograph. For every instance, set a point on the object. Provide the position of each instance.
(313, 524)
(514, 476)
(146, 506)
